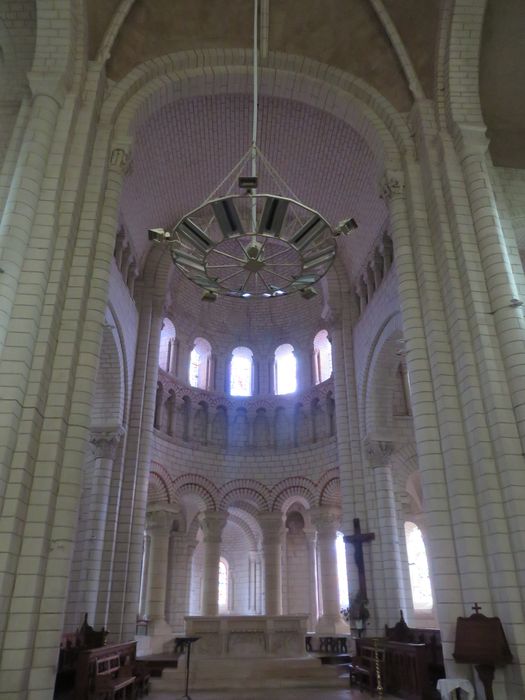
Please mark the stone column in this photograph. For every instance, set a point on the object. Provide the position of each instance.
(105, 443)
(272, 527)
(212, 524)
(311, 541)
(387, 535)
(158, 527)
(178, 579)
(252, 581)
(326, 521)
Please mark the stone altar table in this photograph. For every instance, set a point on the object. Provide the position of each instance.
(248, 651)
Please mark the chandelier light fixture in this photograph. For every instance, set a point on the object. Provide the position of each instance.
(253, 245)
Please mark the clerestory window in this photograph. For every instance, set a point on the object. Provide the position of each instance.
(241, 372)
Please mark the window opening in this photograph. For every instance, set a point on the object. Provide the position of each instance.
(167, 346)
(342, 574)
(285, 370)
(322, 357)
(241, 372)
(418, 568)
(223, 584)
(200, 357)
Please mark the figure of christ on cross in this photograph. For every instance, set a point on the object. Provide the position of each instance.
(357, 540)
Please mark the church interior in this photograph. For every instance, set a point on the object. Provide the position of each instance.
(262, 349)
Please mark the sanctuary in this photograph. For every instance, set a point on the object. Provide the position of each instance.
(295, 407)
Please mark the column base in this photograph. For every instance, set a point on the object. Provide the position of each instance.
(159, 639)
(330, 625)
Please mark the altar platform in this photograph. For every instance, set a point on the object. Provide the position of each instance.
(249, 651)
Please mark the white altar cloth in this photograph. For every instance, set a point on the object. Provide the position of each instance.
(447, 685)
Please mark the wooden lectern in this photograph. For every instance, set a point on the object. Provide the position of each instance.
(481, 641)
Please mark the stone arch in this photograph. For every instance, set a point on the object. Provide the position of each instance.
(331, 493)
(236, 520)
(244, 490)
(167, 78)
(297, 487)
(458, 55)
(158, 491)
(379, 377)
(163, 478)
(198, 485)
(155, 82)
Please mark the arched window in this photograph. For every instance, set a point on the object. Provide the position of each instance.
(322, 357)
(200, 360)
(167, 346)
(223, 585)
(418, 567)
(285, 370)
(342, 575)
(241, 372)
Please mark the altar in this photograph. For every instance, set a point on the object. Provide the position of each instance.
(248, 636)
(248, 651)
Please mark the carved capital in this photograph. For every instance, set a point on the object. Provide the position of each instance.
(48, 84)
(105, 442)
(392, 186)
(471, 140)
(379, 451)
(272, 527)
(212, 523)
(327, 520)
(160, 520)
(120, 159)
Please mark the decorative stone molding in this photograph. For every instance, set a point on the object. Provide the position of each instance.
(160, 519)
(48, 84)
(105, 442)
(379, 451)
(120, 159)
(212, 523)
(471, 140)
(392, 186)
(326, 520)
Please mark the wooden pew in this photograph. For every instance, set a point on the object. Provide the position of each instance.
(106, 673)
(431, 638)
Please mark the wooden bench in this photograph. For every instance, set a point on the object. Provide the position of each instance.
(113, 680)
(108, 673)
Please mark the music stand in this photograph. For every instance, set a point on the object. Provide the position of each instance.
(185, 643)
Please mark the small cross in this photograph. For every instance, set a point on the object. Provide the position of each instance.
(476, 608)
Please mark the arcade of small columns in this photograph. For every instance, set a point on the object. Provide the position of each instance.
(265, 567)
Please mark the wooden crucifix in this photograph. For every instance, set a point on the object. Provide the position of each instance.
(357, 540)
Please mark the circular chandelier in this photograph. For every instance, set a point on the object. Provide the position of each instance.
(253, 245)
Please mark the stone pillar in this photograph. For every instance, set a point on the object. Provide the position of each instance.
(387, 554)
(158, 528)
(179, 576)
(212, 524)
(272, 527)
(311, 541)
(105, 443)
(327, 521)
(252, 581)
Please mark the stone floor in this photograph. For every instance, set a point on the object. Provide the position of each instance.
(273, 693)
